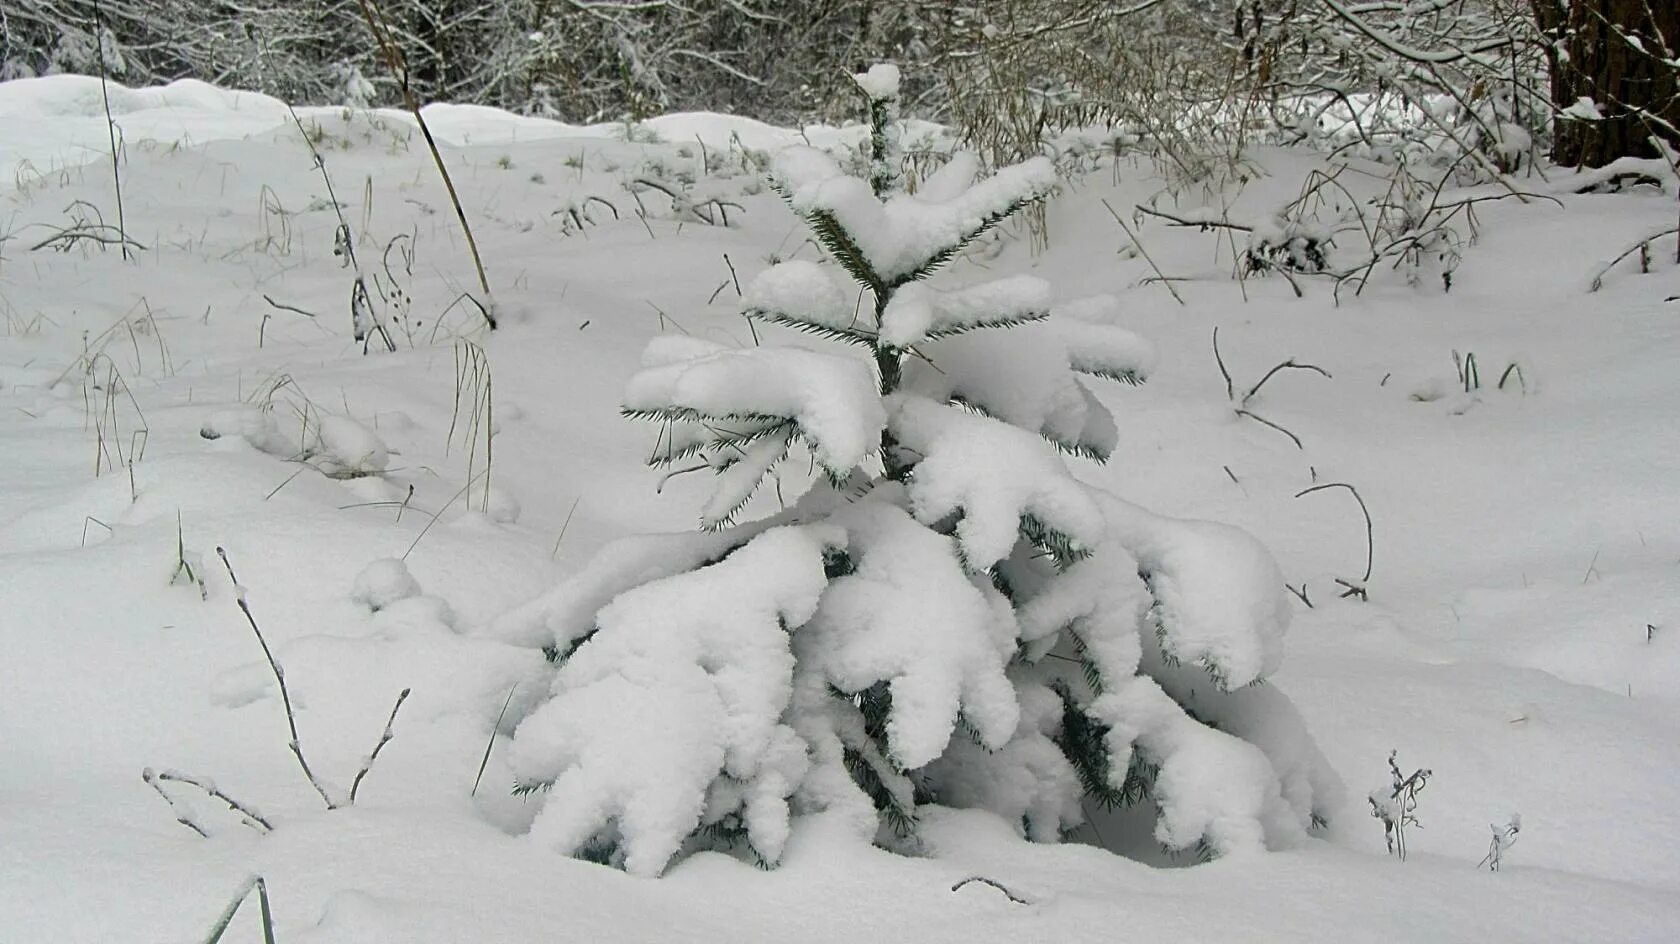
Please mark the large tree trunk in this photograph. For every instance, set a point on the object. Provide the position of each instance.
(1636, 91)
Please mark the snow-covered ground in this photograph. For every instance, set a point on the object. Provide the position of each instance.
(1522, 637)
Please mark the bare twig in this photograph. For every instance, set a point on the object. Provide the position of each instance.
(1199, 224)
(1144, 252)
(280, 677)
(291, 308)
(249, 816)
(1266, 422)
(384, 739)
(1644, 244)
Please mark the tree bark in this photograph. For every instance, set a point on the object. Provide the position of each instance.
(1635, 89)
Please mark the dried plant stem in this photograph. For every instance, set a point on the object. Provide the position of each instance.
(156, 779)
(360, 299)
(1286, 365)
(993, 884)
(1266, 422)
(1353, 589)
(384, 739)
(280, 677)
(398, 65)
(1230, 389)
(1144, 252)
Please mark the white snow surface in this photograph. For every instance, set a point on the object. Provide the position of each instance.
(1522, 638)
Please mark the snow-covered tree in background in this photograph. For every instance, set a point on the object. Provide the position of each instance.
(947, 615)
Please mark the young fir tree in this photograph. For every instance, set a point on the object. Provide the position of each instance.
(947, 616)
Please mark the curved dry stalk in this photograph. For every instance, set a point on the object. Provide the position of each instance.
(981, 880)
(1353, 589)
(1290, 364)
(1266, 422)
(1645, 244)
(1230, 391)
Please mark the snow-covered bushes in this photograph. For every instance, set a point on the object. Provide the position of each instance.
(947, 615)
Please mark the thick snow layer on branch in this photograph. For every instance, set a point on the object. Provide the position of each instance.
(1219, 596)
(832, 398)
(909, 615)
(917, 312)
(949, 181)
(804, 291)
(1022, 377)
(687, 679)
(880, 82)
(1265, 717)
(1099, 599)
(566, 613)
(907, 233)
(1097, 345)
(1025, 377)
(1029, 782)
(1211, 785)
(993, 473)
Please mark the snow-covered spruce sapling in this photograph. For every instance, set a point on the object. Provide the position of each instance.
(1396, 804)
(946, 615)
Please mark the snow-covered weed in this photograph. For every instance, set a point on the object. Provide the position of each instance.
(1504, 837)
(1395, 805)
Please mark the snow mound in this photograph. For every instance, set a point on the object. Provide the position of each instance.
(384, 582)
(347, 449)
